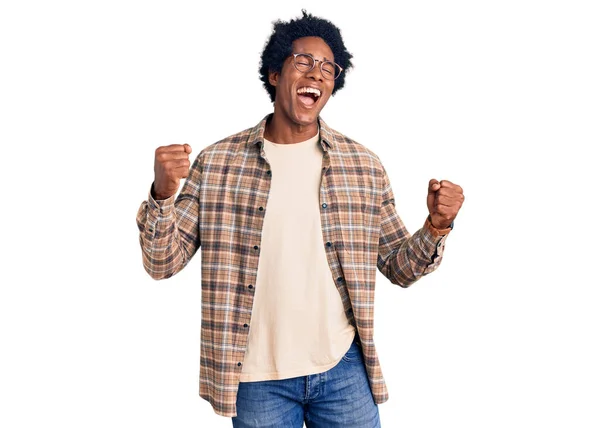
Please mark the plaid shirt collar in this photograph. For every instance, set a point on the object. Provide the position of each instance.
(326, 135)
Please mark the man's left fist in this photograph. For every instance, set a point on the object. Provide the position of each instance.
(444, 200)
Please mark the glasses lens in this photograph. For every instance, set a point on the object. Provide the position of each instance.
(329, 70)
(303, 62)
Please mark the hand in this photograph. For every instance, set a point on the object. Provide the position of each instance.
(171, 164)
(444, 200)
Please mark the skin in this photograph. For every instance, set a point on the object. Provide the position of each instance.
(171, 164)
(444, 200)
(294, 122)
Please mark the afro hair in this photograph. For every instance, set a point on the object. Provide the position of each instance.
(279, 47)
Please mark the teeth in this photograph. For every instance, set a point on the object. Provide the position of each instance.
(308, 90)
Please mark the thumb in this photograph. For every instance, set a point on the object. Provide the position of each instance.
(187, 148)
(434, 186)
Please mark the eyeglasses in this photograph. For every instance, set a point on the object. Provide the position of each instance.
(306, 62)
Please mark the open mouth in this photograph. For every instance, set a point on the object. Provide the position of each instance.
(308, 96)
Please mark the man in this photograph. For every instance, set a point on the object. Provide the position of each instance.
(293, 218)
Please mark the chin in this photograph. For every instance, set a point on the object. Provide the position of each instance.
(306, 119)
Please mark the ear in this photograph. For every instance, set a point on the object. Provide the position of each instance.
(273, 77)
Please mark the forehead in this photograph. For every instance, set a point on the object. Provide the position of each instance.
(315, 46)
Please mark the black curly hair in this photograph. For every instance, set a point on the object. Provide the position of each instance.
(279, 47)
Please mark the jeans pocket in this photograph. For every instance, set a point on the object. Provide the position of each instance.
(354, 354)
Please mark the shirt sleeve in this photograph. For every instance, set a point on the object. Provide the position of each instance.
(403, 258)
(169, 230)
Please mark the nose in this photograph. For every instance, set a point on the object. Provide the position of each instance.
(315, 73)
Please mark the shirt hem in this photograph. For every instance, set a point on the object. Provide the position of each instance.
(288, 375)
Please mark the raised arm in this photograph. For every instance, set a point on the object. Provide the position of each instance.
(403, 258)
(169, 234)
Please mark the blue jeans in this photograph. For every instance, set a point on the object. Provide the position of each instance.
(339, 397)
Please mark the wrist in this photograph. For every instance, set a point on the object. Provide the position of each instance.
(158, 196)
(437, 229)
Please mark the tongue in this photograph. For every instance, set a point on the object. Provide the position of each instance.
(307, 100)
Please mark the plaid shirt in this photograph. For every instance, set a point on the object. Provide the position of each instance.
(221, 208)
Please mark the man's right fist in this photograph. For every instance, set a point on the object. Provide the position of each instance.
(171, 164)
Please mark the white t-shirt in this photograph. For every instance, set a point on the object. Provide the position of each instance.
(298, 324)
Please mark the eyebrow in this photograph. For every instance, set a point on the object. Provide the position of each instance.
(313, 55)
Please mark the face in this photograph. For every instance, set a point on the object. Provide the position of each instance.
(293, 102)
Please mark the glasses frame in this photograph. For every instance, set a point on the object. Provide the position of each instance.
(321, 62)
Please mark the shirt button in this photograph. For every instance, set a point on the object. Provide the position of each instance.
(150, 230)
(340, 279)
(324, 205)
(328, 244)
(269, 172)
(245, 325)
(256, 247)
(260, 208)
(250, 286)
(239, 364)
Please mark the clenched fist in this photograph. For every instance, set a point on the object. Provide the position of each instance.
(171, 164)
(444, 200)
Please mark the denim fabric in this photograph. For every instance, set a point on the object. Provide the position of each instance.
(339, 397)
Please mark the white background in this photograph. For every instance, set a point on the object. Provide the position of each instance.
(500, 97)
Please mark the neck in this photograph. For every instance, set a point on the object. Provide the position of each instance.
(282, 131)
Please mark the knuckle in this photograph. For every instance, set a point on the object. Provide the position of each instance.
(160, 151)
(162, 157)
